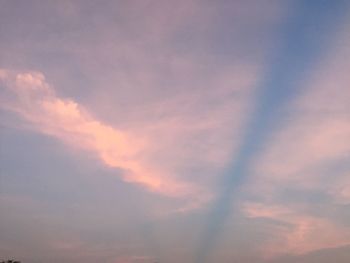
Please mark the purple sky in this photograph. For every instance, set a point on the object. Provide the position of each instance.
(175, 131)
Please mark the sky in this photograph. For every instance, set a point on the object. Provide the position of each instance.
(175, 131)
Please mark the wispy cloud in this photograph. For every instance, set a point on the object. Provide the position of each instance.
(226, 106)
(315, 137)
(35, 100)
(297, 233)
(282, 83)
(308, 154)
(156, 154)
(165, 111)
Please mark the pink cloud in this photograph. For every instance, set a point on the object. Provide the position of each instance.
(299, 233)
(171, 119)
(161, 154)
(318, 130)
(38, 104)
(302, 155)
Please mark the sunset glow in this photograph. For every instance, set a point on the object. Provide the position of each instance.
(175, 131)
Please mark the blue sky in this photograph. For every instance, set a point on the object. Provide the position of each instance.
(167, 131)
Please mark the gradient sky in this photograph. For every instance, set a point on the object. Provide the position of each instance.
(175, 131)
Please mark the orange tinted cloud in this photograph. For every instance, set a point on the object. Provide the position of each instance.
(297, 233)
(65, 119)
(178, 154)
